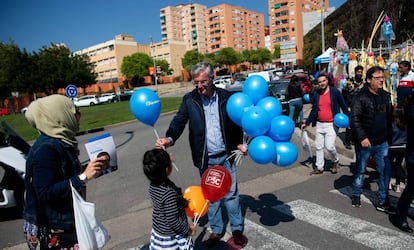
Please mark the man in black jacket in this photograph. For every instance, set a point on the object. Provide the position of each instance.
(212, 138)
(371, 124)
(351, 88)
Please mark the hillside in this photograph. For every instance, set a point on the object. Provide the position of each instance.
(356, 18)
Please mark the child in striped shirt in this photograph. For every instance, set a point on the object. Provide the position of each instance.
(170, 228)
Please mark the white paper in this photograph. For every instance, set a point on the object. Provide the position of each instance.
(103, 143)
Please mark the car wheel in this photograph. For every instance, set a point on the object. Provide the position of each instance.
(91, 104)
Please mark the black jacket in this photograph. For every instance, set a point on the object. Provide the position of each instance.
(363, 111)
(191, 111)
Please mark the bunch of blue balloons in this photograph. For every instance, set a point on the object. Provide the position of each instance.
(260, 117)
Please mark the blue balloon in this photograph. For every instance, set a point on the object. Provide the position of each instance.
(256, 121)
(262, 149)
(341, 120)
(145, 105)
(236, 105)
(306, 97)
(271, 105)
(281, 128)
(286, 154)
(256, 87)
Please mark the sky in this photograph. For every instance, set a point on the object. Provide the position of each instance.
(32, 24)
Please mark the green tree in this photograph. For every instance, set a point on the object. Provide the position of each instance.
(135, 66)
(276, 52)
(81, 71)
(261, 56)
(227, 57)
(211, 58)
(190, 58)
(53, 65)
(165, 66)
(10, 65)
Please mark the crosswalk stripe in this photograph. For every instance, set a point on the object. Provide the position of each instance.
(264, 239)
(361, 231)
(369, 196)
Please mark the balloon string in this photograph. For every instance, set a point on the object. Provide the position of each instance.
(158, 137)
(198, 215)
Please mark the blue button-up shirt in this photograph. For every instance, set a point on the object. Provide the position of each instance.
(215, 143)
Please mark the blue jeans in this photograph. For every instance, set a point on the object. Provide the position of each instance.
(380, 155)
(230, 201)
(296, 104)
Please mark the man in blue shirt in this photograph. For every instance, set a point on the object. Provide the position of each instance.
(212, 138)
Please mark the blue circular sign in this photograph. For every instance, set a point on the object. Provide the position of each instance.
(71, 91)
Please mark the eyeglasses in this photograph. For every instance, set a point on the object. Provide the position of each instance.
(378, 77)
(203, 82)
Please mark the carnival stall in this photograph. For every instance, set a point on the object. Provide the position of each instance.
(342, 60)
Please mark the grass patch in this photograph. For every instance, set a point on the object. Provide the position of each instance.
(92, 117)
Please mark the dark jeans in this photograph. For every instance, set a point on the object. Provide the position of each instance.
(348, 136)
(407, 195)
(396, 159)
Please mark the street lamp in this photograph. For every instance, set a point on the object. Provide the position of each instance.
(322, 26)
(155, 68)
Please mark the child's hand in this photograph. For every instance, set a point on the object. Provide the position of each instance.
(193, 230)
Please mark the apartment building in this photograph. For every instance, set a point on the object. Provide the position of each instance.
(235, 27)
(286, 26)
(185, 22)
(171, 51)
(107, 57)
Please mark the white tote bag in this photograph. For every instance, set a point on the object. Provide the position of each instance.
(89, 230)
(304, 138)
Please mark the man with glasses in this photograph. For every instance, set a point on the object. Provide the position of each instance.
(371, 124)
(213, 136)
(406, 83)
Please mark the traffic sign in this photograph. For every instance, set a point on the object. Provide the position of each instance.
(71, 91)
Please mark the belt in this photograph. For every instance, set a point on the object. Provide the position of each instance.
(218, 155)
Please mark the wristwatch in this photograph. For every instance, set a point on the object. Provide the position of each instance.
(83, 178)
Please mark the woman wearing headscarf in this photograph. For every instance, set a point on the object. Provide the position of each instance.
(51, 165)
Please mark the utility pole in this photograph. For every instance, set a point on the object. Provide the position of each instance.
(322, 26)
(155, 67)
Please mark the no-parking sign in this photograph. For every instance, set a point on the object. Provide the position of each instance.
(71, 91)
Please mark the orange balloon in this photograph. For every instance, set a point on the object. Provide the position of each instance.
(197, 204)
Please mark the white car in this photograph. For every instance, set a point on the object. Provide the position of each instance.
(222, 81)
(107, 97)
(87, 100)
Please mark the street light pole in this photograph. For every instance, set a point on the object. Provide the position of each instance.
(155, 68)
(322, 26)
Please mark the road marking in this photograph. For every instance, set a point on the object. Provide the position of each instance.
(361, 231)
(370, 197)
(261, 238)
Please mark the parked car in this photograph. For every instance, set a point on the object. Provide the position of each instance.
(125, 95)
(108, 98)
(87, 100)
(277, 88)
(265, 74)
(222, 81)
(305, 81)
(4, 111)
